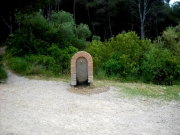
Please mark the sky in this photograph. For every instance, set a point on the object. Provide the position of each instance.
(172, 1)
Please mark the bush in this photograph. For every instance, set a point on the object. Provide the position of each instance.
(159, 66)
(37, 34)
(45, 62)
(19, 65)
(38, 70)
(45, 44)
(119, 55)
(129, 48)
(171, 37)
(3, 74)
(82, 31)
(113, 66)
(62, 56)
(99, 52)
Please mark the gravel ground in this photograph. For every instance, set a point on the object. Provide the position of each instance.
(36, 107)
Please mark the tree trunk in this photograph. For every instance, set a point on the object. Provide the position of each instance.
(132, 26)
(142, 30)
(110, 28)
(142, 14)
(156, 27)
(141, 19)
(104, 30)
(74, 9)
(142, 8)
(48, 12)
(10, 23)
(88, 12)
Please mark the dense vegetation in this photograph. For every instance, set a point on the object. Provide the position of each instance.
(3, 73)
(128, 57)
(46, 45)
(105, 18)
(42, 46)
(43, 41)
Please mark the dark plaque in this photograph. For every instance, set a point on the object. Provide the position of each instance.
(81, 70)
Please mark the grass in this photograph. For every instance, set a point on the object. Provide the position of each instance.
(3, 73)
(64, 78)
(167, 93)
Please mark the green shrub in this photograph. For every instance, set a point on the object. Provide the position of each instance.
(3, 73)
(100, 74)
(171, 37)
(113, 66)
(129, 48)
(99, 52)
(41, 62)
(159, 66)
(62, 57)
(17, 45)
(119, 55)
(82, 31)
(36, 70)
(19, 65)
(95, 37)
(37, 34)
(160, 62)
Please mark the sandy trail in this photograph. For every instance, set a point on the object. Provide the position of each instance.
(36, 107)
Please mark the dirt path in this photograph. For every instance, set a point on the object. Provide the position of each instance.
(36, 107)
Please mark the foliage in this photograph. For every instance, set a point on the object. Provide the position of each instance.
(171, 37)
(101, 15)
(113, 67)
(82, 31)
(3, 73)
(62, 27)
(62, 57)
(128, 48)
(128, 57)
(18, 65)
(46, 44)
(56, 62)
(153, 66)
(161, 61)
(99, 52)
(95, 37)
(119, 55)
(46, 62)
(36, 33)
(49, 43)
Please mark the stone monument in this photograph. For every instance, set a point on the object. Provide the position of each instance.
(81, 68)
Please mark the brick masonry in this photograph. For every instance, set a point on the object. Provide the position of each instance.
(88, 57)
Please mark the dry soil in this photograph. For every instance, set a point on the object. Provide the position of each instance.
(38, 107)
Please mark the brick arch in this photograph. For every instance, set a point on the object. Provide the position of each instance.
(88, 57)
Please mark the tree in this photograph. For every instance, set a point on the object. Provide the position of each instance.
(8, 8)
(175, 13)
(159, 11)
(142, 8)
(103, 15)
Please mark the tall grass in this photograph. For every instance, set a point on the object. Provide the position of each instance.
(32, 67)
(3, 73)
(18, 65)
(149, 91)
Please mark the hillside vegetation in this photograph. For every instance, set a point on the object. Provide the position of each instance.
(45, 47)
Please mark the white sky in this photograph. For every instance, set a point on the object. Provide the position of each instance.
(172, 1)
